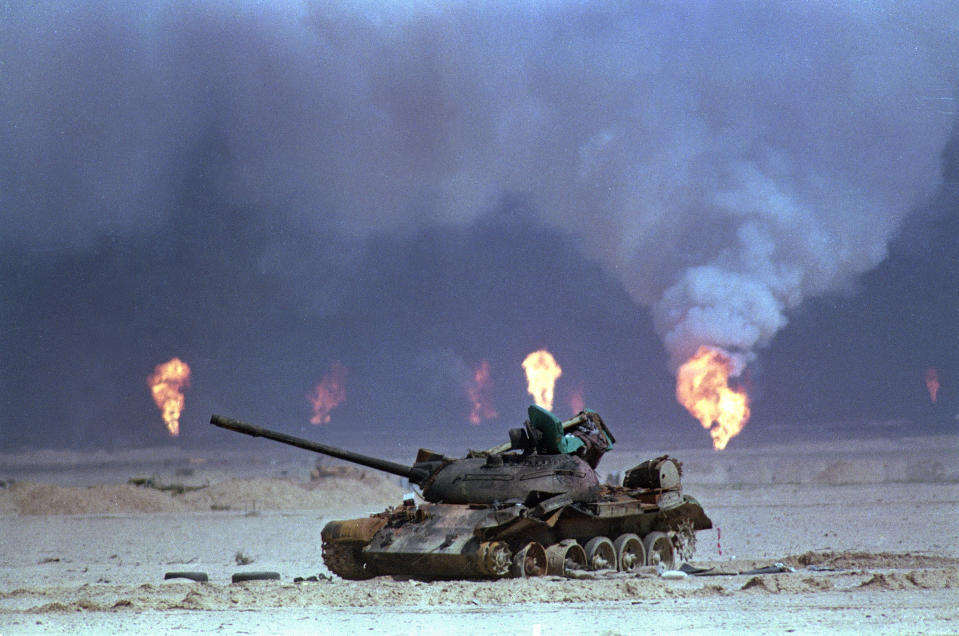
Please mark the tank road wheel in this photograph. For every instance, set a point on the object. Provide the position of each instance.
(659, 549)
(495, 559)
(530, 561)
(600, 554)
(630, 553)
(563, 556)
(346, 561)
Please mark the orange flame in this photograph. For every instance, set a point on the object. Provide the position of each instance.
(932, 383)
(166, 383)
(480, 393)
(328, 394)
(702, 386)
(541, 374)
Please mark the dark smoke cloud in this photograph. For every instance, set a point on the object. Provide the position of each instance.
(186, 160)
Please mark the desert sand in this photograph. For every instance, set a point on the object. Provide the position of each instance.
(869, 528)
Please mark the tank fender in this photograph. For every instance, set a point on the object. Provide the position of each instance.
(689, 511)
(502, 516)
(358, 531)
(548, 505)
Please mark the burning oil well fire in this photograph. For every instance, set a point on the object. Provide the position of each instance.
(932, 383)
(702, 386)
(166, 384)
(328, 394)
(480, 392)
(542, 371)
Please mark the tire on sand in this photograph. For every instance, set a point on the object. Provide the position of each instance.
(200, 577)
(241, 577)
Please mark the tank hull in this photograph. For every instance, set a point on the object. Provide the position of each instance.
(450, 541)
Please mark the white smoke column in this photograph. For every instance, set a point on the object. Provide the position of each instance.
(724, 160)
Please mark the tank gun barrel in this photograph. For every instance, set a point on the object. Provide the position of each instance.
(364, 460)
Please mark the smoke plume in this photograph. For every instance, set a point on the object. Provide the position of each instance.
(723, 161)
(726, 160)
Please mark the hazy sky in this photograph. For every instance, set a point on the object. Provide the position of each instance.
(406, 189)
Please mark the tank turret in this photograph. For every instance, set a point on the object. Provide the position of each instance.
(544, 459)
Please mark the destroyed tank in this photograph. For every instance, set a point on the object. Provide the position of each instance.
(529, 507)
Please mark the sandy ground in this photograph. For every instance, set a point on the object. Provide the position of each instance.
(870, 528)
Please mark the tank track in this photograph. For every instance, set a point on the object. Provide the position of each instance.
(345, 561)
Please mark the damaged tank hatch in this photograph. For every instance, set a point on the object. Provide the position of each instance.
(529, 507)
